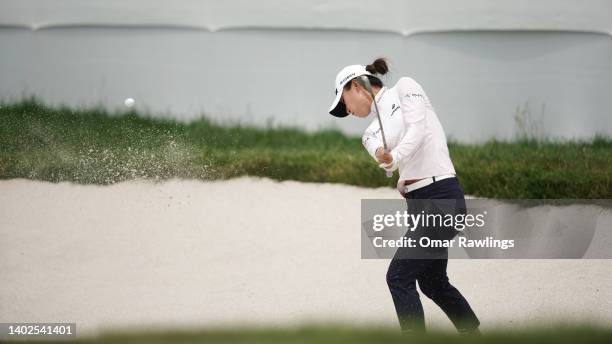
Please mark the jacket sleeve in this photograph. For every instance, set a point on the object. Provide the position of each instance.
(413, 102)
(371, 141)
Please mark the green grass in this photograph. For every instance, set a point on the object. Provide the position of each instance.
(343, 334)
(92, 146)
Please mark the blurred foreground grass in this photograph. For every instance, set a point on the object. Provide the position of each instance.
(93, 146)
(341, 334)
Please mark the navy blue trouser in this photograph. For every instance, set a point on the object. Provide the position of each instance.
(403, 275)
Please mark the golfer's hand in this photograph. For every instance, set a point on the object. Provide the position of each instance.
(383, 157)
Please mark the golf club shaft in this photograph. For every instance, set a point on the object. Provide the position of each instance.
(366, 83)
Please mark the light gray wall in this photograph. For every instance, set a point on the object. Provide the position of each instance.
(476, 80)
(403, 17)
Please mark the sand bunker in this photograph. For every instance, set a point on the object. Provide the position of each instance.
(244, 251)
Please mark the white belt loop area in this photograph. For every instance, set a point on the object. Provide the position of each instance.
(424, 182)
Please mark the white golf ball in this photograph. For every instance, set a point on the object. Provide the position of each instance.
(129, 102)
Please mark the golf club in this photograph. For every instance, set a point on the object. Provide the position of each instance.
(365, 82)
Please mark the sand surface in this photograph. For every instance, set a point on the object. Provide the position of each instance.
(245, 251)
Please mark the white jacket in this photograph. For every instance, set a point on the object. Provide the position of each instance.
(412, 131)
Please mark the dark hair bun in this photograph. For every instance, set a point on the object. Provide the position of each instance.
(379, 66)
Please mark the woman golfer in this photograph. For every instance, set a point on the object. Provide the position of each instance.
(416, 146)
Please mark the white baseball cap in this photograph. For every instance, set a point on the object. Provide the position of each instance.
(347, 74)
